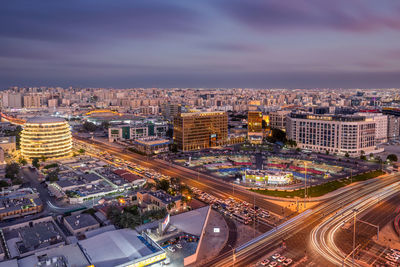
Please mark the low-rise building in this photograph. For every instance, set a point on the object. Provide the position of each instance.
(120, 248)
(152, 145)
(78, 224)
(27, 238)
(19, 203)
(125, 132)
(159, 199)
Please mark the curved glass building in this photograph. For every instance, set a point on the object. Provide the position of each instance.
(47, 137)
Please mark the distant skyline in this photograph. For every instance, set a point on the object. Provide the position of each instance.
(210, 43)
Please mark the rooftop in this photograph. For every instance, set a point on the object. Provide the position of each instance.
(81, 221)
(46, 119)
(123, 246)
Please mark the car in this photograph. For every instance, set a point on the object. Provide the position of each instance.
(273, 264)
(265, 262)
(281, 258)
(171, 249)
(287, 262)
(276, 255)
(179, 246)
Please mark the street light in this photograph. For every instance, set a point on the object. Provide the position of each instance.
(233, 255)
(305, 184)
(354, 235)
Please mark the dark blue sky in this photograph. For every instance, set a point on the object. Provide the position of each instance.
(207, 43)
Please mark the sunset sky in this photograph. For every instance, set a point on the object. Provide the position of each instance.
(207, 43)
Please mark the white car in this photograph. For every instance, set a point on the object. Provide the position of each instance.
(179, 246)
(171, 249)
(276, 255)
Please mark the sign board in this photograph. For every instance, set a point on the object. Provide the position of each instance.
(165, 223)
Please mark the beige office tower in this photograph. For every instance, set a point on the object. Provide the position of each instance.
(199, 130)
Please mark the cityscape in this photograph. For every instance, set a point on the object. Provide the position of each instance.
(168, 133)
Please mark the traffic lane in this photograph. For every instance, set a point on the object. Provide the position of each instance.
(328, 208)
(381, 215)
(212, 186)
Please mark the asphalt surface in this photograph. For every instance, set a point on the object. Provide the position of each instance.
(204, 182)
(297, 234)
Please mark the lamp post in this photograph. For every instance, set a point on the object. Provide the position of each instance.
(354, 234)
(233, 255)
(305, 184)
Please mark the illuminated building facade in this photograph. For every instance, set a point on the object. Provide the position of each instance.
(199, 130)
(333, 133)
(47, 137)
(254, 127)
(277, 119)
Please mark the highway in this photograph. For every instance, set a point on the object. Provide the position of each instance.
(324, 236)
(202, 181)
(305, 224)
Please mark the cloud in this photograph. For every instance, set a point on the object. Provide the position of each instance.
(91, 20)
(342, 15)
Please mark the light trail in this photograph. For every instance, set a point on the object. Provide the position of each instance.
(323, 236)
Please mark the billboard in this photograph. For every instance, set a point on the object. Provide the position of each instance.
(165, 223)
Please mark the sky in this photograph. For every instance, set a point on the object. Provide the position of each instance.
(207, 43)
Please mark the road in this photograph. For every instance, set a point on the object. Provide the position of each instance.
(301, 227)
(202, 181)
(323, 236)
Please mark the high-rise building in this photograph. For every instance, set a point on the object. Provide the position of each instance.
(277, 119)
(381, 129)
(199, 130)
(12, 100)
(32, 101)
(170, 110)
(393, 128)
(53, 103)
(333, 133)
(254, 127)
(47, 137)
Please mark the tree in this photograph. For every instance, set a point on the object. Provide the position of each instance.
(53, 175)
(105, 125)
(22, 161)
(3, 183)
(362, 152)
(89, 126)
(277, 135)
(12, 170)
(347, 155)
(363, 157)
(163, 184)
(43, 158)
(371, 155)
(35, 163)
(327, 152)
(81, 151)
(392, 158)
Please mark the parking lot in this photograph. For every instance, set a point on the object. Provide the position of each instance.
(240, 211)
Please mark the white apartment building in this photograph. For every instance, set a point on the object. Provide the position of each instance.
(333, 133)
(277, 119)
(381, 129)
